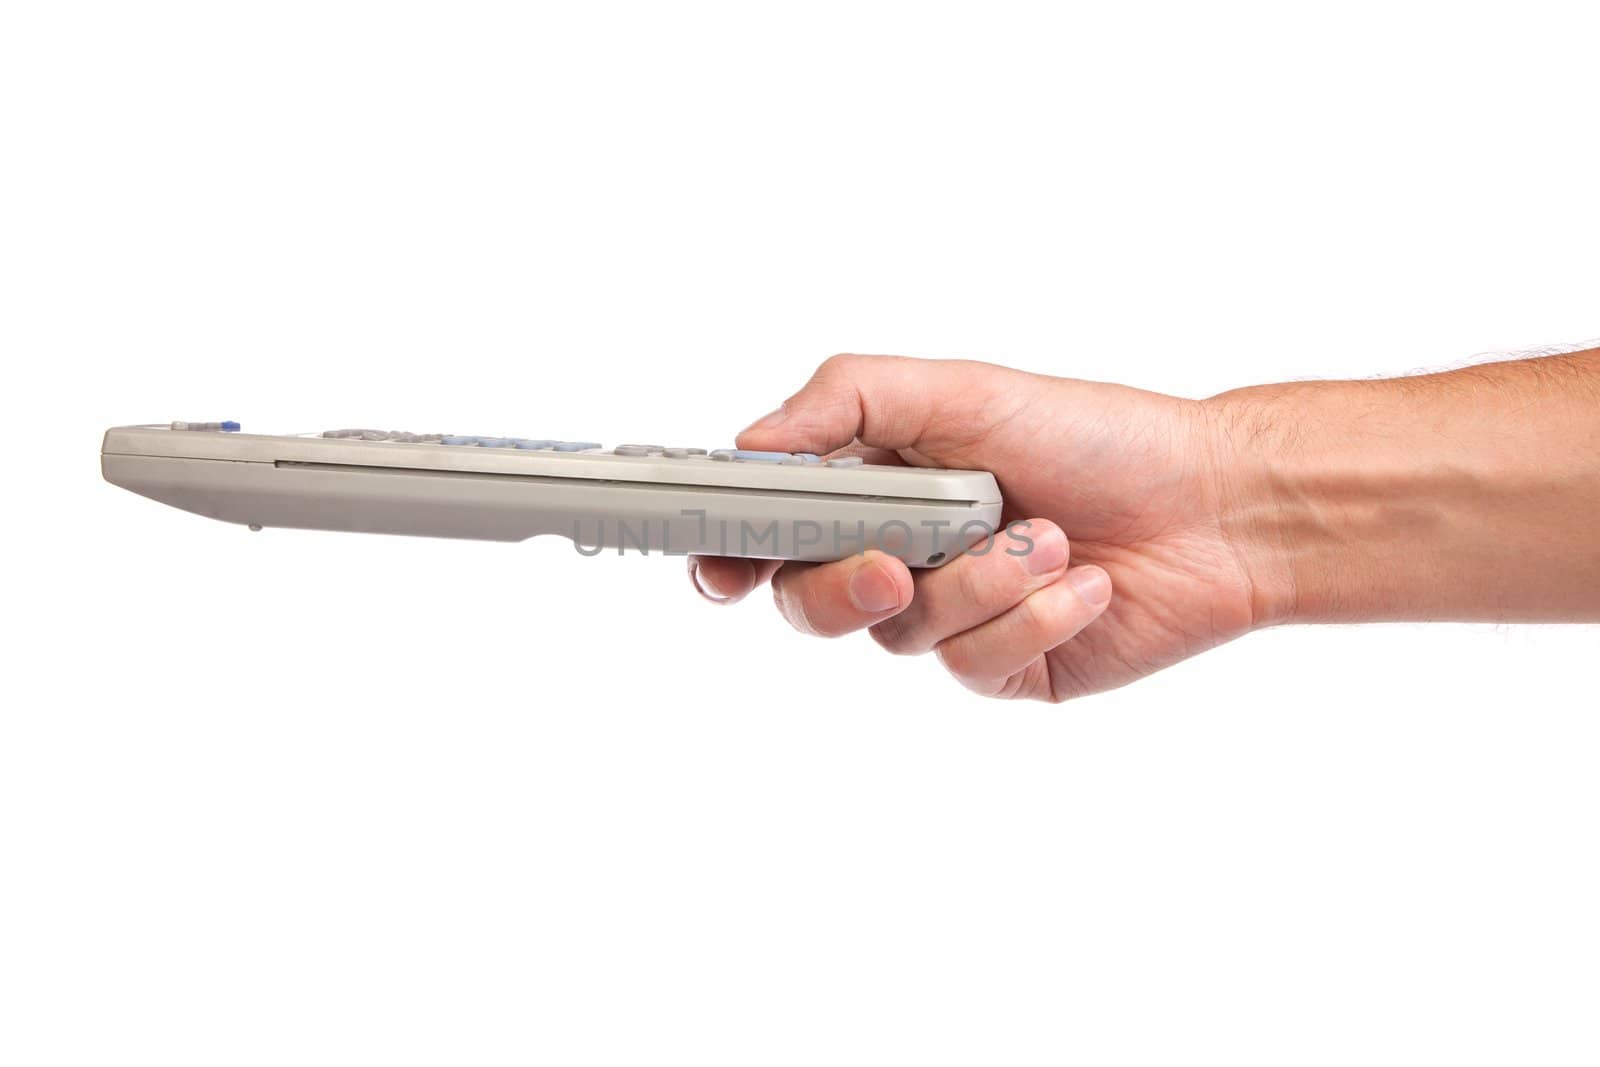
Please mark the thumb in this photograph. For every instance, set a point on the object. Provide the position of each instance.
(886, 402)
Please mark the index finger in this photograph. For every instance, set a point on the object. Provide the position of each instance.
(830, 599)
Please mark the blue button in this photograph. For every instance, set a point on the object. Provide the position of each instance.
(459, 441)
(747, 456)
(230, 427)
(523, 442)
(576, 446)
(494, 442)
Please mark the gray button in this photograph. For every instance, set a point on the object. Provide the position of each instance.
(631, 450)
(846, 461)
(676, 453)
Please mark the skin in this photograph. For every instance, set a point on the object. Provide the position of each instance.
(1162, 527)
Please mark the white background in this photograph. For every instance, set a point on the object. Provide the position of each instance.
(319, 798)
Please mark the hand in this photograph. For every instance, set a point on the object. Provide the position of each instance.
(1124, 495)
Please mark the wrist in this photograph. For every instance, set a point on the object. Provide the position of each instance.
(1333, 506)
(1242, 427)
(1470, 495)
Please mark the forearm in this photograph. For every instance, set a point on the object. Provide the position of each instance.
(1469, 495)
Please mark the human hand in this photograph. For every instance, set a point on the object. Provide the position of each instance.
(1125, 494)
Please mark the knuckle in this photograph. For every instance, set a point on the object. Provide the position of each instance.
(790, 604)
(1025, 537)
(1038, 617)
(1051, 615)
(992, 583)
(956, 659)
(1034, 531)
(897, 637)
(801, 600)
(816, 617)
(964, 669)
(841, 366)
(976, 582)
(834, 366)
(993, 688)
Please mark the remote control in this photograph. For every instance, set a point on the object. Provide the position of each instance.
(644, 498)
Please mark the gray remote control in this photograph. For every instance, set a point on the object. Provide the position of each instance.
(642, 498)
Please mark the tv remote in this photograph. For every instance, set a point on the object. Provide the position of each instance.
(647, 499)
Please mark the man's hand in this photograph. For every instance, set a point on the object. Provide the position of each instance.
(1162, 527)
(1125, 493)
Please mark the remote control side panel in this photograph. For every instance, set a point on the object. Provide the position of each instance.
(634, 498)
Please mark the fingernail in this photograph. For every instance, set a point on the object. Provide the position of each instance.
(702, 582)
(873, 589)
(768, 421)
(1049, 552)
(1092, 584)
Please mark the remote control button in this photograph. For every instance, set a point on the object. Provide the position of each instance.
(682, 453)
(452, 439)
(744, 455)
(214, 427)
(494, 442)
(576, 446)
(631, 450)
(809, 457)
(846, 461)
(532, 446)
